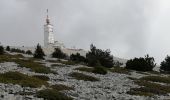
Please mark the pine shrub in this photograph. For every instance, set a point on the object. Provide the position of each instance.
(7, 48)
(58, 54)
(77, 58)
(39, 53)
(141, 64)
(165, 65)
(28, 52)
(103, 56)
(1, 50)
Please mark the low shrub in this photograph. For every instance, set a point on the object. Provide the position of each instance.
(149, 88)
(34, 66)
(21, 79)
(42, 77)
(156, 79)
(28, 52)
(120, 70)
(17, 50)
(51, 94)
(80, 76)
(99, 70)
(60, 87)
(77, 58)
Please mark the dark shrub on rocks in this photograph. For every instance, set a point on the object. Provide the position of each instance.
(59, 54)
(103, 56)
(77, 58)
(165, 65)
(141, 64)
(39, 53)
(51, 94)
(99, 70)
(7, 48)
(17, 50)
(28, 52)
(1, 50)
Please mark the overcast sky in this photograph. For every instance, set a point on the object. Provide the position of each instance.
(129, 28)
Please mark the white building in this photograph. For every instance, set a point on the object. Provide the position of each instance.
(49, 40)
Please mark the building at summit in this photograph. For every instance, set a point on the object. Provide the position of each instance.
(49, 40)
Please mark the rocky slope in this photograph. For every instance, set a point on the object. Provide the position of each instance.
(112, 86)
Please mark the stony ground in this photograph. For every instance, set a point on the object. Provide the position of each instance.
(112, 86)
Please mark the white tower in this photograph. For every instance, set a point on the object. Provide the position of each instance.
(48, 33)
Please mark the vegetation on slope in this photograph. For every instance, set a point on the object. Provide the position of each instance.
(21, 79)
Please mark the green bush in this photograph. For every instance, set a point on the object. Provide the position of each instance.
(28, 52)
(58, 54)
(1, 50)
(39, 53)
(99, 70)
(97, 55)
(165, 65)
(51, 94)
(77, 58)
(141, 64)
(17, 50)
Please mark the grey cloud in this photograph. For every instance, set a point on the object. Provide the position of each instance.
(120, 25)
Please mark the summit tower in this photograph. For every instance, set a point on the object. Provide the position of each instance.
(48, 32)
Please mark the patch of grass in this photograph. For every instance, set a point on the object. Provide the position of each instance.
(68, 62)
(85, 69)
(9, 58)
(21, 79)
(138, 91)
(60, 87)
(63, 62)
(156, 79)
(30, 63)
(80, 76)
(34, 66)
(149, 89)
(120, 70)
(42, 77)
(51, 94)
(59, 65)
(100, 70)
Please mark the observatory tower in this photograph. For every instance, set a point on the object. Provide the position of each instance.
(48, 32)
